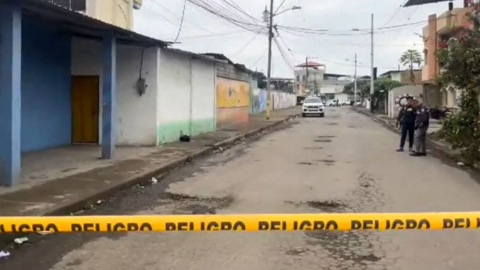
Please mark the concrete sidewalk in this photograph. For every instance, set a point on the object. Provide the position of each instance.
(71, 193)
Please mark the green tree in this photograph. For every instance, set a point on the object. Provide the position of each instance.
(261, 79)
(381, 87)
(461, 69)
(409, 58)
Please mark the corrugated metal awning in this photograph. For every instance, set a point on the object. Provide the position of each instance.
(79, 24)
(422, 2)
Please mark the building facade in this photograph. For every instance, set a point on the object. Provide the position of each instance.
(311, 79)
(404, 76)
(115, 12)
(437, 35)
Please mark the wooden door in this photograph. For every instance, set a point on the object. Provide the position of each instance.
(85, 109)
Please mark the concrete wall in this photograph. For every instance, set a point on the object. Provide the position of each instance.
(46, 105)
(395, 95)
(232, 101)
(186, 96)
(136, 115)
(280, 100)
(203, 97)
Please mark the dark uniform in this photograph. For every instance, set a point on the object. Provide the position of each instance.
(407, 117)
(422, 122)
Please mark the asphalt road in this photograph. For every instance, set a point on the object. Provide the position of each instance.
(344, 162)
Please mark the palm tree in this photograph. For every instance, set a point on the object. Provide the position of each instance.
(409, 58)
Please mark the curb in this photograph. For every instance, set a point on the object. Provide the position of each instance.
(433, 145)
(71, 207)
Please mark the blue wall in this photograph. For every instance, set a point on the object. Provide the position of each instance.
(46, 102)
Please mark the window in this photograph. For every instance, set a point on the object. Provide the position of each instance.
(425, 54)
(298, 78)
(304, 78)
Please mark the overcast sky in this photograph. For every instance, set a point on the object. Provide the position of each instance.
(204, 32)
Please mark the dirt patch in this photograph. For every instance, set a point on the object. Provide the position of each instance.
(323, 140)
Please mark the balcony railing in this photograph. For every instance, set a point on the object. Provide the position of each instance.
(75, 5)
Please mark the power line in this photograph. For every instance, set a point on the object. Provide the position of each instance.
(260, 58)
(214, 35)
(281, 4)
(395, 14)
(171, 12)
(248, 43)
(231, 16)
(181, 22)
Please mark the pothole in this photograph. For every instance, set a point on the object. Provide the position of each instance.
(198, 205)
(313, 148)
(323, 141)
(324, 206)
(326, 136)
(328, 162)
(332, 124)
(305, 163)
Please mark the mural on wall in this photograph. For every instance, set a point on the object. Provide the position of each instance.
(259, 101)
(232, 93)
(280, 100)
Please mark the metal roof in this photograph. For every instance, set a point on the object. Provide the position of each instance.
(422, 2)
(79, 24)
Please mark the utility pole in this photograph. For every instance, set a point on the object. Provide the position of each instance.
(355, 82)
(372, 89)
(306, 78)
(269, 70)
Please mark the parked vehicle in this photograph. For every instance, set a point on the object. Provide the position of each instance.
(332, 103)
(439, 114)
(313, 105)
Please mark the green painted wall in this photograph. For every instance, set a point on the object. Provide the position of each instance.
(170, 132)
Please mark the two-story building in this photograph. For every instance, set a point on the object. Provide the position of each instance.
(437, 34)
(311, 79)
(115, 12)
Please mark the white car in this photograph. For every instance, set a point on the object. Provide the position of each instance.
(332, 103)
(313, 105)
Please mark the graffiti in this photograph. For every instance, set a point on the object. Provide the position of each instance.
(280, 100)
(231, 93)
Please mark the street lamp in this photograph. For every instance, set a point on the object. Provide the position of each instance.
(270, 34)
(371, 56)
(283, 11)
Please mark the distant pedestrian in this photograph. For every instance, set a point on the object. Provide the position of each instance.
(422, 122)
(406, 119)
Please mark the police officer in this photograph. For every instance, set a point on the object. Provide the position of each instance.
(422, 122)
(406, 118)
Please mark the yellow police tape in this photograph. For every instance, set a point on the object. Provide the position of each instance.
(246, 222)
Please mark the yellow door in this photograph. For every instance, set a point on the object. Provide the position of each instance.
(85, 109)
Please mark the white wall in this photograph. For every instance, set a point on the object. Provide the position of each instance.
(203, 96)
(186, 96)
(136, 117)
(173, 114)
